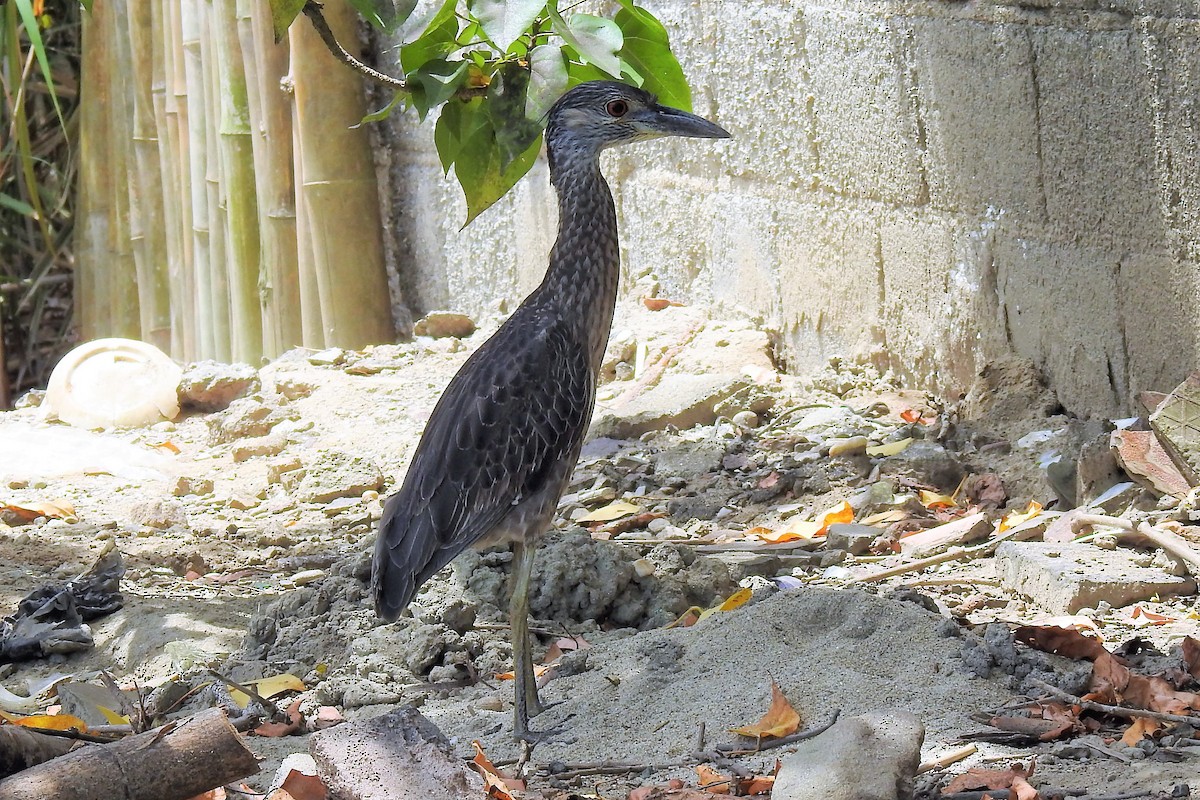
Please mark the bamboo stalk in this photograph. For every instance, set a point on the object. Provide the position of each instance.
(217, 212)
(145, 190)
(122, 316)
(271, 122)
(237, 170)
(189, 30)
(312, 328)
(338, 188)
(177, 164)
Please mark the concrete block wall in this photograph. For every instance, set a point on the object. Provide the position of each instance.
(933, 184)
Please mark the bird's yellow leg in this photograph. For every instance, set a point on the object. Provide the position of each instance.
(527, 704)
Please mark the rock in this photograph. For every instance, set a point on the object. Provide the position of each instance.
(398, 756)
(934, 540)
(336, 474)
(746, 419)
(1174, 421)
(187, 485)
(440, 324)
(212, 386)
(869, 757)
(688, 459)
(158, 513)
(850, 536)
(924, 462)
(682, 401)
(1064, 578)
(245, 418)
(293, 388)
(270, 445)
(328, 357)
(1147, 462)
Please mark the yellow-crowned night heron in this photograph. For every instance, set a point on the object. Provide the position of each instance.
(504, 437)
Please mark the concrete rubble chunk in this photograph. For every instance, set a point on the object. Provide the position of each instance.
(398, 756)
(1065, 578)
(245, 418)
(683, 401)
(334, 474)
(933, 540)
(1142, 455)
(1177, 422)
(869, 757)
(850, 536)
(212, 386)
(440, 324)
(270, 445)
(158, 513)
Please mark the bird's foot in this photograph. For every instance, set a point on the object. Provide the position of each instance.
(533, 738)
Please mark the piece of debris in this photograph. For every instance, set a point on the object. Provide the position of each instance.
(440, 324)
(212, 386)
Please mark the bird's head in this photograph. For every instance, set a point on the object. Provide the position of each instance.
(600, 114)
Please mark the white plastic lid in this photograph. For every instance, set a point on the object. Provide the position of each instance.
(114, 383)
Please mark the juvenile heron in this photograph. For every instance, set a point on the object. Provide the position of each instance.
(503, 439)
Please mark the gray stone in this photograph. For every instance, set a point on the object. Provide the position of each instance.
(682, 401)
(925, 462)
(246, 417)
(398, 756)
(336, 474)
(158, 513)
(212, 386)
(869, 757)
(850, 536)
(439, 324)
(1064, 578)
(270, 445)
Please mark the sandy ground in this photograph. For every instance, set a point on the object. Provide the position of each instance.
(246, 533)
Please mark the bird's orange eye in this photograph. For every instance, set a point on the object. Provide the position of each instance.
(617, 108)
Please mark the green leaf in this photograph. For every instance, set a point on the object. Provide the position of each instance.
(283, 12)
(547, 80)
(647, 51)
(505, 20)
(482, 178)
(578, 73)
(383, 113)
(505, 104)
(457, 124)
(436, 41)
(595, 39)
(435, 82)
(18, 205)
(29, 20)
(384, 14)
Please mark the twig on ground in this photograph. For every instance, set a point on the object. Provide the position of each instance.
(267, 705)
(700, 736)
(953, 554)
(1116, 711)
(1138, 532)
(770, 744)
(946, 760)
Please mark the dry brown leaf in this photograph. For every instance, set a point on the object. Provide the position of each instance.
(1023, 790)
(979, 778)
(294, 724)
(1067, 642)
(710, 780)
(499, 786)
(614, 510)
(29, 511)
(538, 671)
(1191, 655)
(562, 646)
(1140, 729)
(1113, 683)
(780, 720)
(658, 303)
(756, 784)
(1140, 618)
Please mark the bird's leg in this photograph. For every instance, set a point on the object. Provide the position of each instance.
(527, 702)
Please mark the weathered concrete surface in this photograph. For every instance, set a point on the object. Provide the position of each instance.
(933, 184)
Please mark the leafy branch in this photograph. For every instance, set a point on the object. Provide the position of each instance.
(494, 68)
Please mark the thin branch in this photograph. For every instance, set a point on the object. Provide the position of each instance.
(312, 10)
(1116, 711)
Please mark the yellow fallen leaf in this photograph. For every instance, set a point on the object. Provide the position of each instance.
(935, 500)
(538, 671)
(1016, 518)
(1140, 618)
(608, 513)
(798, 529)
(780, 720)
(51, 722)
(889, 448)
(113, 717)
(687, 619)
(268, 687)
(894, 515)
(735, 600)
(57, 509)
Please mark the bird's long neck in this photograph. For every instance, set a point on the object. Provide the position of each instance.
(585, 261)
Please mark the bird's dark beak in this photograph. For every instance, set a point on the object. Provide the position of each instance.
(667, 121)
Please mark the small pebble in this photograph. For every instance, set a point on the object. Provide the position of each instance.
(845, 447)
(307, 576)
(643, 567)
(657, 525)
(745, 419)
(490, 703)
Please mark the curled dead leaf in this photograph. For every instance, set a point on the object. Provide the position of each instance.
(780, 720)
(712, 781)
(294, 723)
(1069, 642)
(499, 786)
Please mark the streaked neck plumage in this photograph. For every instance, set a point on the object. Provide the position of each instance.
(585, 262)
